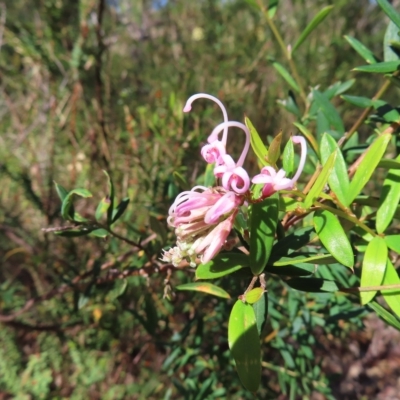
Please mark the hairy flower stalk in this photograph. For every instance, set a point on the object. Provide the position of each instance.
(274, 181)
(202, 218)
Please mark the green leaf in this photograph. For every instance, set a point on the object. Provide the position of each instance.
(391, 35)
(390, 11)
(209, 177)
(256, 143)
(274, 150)
(221, 265)
(389, 199)
(373, 267)
(290, 104)
(261, 312)
(295, 259)
(120, 209)
(321, 15)
(393, 242)
(264, 219)
(380, 68)
(292, 270)
(272, 7)
(363, 51)
(101, 233)
(66, 206)
(392, 297)
(385, 315)
(388, 163)
(102, 207)
(321, 181)
(284, 73)
(363, 102)
(61, 191)
(338, 179)
(110, 196)
(328, 110)
(333, 237)
(254, 295)
(288, 158)
(338, 88)
(245, 345)
(204, 287)
(367, 166)
(313, 285)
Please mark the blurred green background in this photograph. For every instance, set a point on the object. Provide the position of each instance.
(88, 85)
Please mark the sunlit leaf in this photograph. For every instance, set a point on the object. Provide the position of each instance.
(274, 150)
(368, 165)
(245, 344)
(393, 242)
(389, 199)
(338, 179)
(254, 295)
(204, 287)
(288, 158)
(373, 267)
(256, 143)
(333, 237)
(392, 297)
(380, 68)
(321, 181)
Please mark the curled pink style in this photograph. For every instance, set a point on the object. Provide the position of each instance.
(191, 99)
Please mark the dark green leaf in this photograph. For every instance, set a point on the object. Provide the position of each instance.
(264, 218)
(261, 311)
(61, 191)
(66, 206)
(363, 102)
(329, 111)
(110, 197)
(101, 233)
(390, 11)
(391, 35)
(284, 73)
(385, 315)
(315, 285)
(120, 209)
(223, 264)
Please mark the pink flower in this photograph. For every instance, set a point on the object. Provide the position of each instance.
(274, 181)
(202, 218)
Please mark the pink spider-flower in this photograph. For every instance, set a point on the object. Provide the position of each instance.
(233, 175)
(215, 149)
(274, 181)
(202, 218)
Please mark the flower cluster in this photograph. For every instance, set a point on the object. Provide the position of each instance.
(204, 217)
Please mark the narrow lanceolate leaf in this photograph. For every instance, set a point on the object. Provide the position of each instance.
(359, 101)
(389, 199)
(245, 345)
(61, 191)
(333, 237)
(368, 165)
(321, 181)
(390, 11)
(204, 287)
(373, 267)
(380, 68)
(221, 265)
(329, 111)
(392, 297)
(393, 242)
(261, 312)
(120, 209)
(110, 196)
(256, 143)
(391, 35)
(312, 25)
(362, 50)
(385, 315)
(284, 73)
(288, 158)
(274, 150)
(66, 206)
(387, 163)
(338, 179)
(264, 219)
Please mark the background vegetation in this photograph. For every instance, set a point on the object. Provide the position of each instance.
(90, 85)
